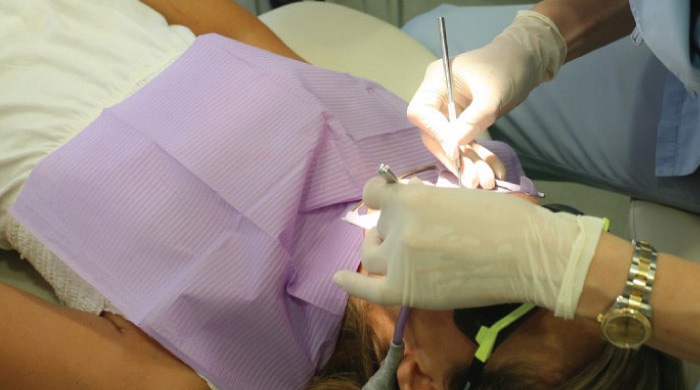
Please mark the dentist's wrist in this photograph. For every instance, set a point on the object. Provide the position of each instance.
(540, 35)
(606, 276)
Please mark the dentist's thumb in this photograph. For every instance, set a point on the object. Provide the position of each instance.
(475, 119)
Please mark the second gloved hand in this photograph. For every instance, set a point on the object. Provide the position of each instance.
(442, 248)
(487, 82)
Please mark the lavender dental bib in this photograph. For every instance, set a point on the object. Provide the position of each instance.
(207, 207)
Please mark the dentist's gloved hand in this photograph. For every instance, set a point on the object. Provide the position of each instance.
(487, 83)
(445, 248)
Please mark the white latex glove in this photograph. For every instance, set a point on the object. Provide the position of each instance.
(487, 83)
(444, 248)
(480, 167)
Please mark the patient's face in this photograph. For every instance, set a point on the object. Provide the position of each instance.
(435, 348)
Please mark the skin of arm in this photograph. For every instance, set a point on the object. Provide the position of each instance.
(223, 17)
(675, 297)
(48, 346)
(45, 346)
(587, 25)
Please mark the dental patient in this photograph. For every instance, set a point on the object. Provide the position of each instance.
(184, 198)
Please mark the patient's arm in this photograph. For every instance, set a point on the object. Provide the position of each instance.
(223, 17)
(53, 347)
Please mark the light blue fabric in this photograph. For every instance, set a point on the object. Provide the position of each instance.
(665, 27)
(678, 138)
(596, 123)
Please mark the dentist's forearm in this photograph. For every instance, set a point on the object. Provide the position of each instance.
(675, 297)
(588, 24)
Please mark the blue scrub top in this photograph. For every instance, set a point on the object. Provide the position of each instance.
(670, 30)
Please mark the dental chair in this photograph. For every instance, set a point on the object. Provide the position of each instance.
(339, 38)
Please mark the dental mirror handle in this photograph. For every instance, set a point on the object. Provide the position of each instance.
(451, 109)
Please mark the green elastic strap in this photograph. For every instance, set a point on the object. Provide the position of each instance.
(486, 337)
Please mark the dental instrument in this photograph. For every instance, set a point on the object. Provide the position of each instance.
(451, 110)
(385, 377)
(385, 171)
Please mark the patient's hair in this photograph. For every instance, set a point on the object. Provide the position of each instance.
(614, 368)
(356, 356)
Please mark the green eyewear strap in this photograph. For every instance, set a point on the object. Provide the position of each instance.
(487, 335)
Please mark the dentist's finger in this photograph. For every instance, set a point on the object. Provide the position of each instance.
(476, 118)
(477, 171)
(437, 150)
(428, 107)
(366, 287)
(373, 191)
(470, 174)
(432, 122)
(370, 254)
(487, 179)
(493, 161)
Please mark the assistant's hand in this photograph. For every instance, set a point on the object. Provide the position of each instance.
(445, 248)
(487, 83)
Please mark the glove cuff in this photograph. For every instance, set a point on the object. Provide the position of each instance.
(582, 251)
(538, 33)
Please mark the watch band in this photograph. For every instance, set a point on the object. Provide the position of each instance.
(640, 279)
(627, 324)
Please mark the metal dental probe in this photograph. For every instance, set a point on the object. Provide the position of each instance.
(451, 110)
(388, 175)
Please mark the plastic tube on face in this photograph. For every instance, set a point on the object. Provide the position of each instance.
(385, 377)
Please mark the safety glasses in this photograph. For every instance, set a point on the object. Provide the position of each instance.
(487, 327)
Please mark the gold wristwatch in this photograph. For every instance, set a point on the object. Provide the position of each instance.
(627, 324)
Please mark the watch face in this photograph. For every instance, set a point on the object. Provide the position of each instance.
(626, 328)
